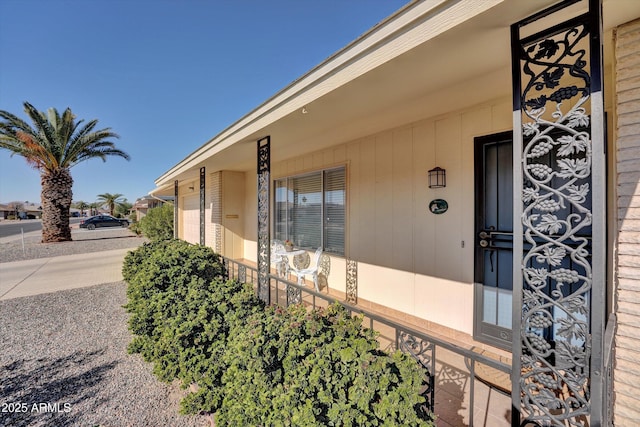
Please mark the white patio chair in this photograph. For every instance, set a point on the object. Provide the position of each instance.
(312, 270)
(280, 262)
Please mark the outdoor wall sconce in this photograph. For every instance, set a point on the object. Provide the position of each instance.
(437, 178)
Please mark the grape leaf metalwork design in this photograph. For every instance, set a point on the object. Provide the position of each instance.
(227, 269)
(556, 196)
(242, 273)
(424, 353)
(352, 281)
(216, 210)
(294, 295)
(263, 220)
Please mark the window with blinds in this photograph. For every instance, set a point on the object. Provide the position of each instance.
(310, 210)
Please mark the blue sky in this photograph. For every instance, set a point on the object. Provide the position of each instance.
(166, 75)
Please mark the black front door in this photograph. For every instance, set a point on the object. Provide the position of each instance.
(494, 239)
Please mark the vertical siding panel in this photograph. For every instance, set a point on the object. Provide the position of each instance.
(402, 208)
(339, 154)
(354, 201)
(307, 163)
(383, 230)
(366, 194)
(424, 227)
(449, 262)
(318, 159)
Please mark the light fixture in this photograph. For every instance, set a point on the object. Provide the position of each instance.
(191, 188)
(437, 178)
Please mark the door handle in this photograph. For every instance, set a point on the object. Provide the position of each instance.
(484, 235)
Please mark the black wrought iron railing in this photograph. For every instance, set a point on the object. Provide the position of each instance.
(432, 352)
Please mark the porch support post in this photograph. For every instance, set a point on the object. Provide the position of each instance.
(264, 238)
(559, 210)
(175, 209)
(202, 205)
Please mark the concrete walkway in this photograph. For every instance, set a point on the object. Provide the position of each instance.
(44, 275)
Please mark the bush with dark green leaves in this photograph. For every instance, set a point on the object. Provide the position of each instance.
(157, 224)
(316, 368)
(162, 276)
(255, 365)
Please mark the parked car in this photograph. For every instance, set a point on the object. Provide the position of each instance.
(103, 221)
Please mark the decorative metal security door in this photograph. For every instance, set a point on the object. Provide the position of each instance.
(494, 239)
(559, 194)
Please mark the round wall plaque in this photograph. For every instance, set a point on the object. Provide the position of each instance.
(438, 206)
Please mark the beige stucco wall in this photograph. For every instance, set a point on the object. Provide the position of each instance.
(627, 294)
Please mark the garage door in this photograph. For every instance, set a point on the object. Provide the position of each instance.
(191, 219)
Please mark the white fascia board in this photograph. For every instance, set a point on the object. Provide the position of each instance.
(160, 189)
(409, 27)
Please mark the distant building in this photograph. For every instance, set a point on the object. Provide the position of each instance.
(20, 210)
(143, 204)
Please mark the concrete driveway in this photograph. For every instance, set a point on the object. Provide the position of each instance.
(44, 275)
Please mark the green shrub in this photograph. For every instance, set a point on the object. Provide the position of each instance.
(161, 275)
(319, 368)
(204, 339)
(157, 224)
(135, 227)
(255, 365)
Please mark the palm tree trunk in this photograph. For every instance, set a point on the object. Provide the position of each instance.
(56, 200)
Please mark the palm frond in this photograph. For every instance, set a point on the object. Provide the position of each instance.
(55, 141)
(101, 153)
(44, 133)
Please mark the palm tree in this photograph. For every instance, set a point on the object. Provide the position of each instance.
(82, 205)
(54, 145)
(111, 200)
(93, 208)
(123, 209)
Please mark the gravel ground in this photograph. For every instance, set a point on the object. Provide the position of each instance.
(68, 349)
(83, 241)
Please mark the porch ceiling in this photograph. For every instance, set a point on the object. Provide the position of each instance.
(463, 66)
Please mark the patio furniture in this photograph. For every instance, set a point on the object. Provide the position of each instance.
(310, 270)
(279, 259)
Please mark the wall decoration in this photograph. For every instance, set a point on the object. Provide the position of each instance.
(438, 206)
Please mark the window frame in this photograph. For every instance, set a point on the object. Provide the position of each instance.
(322, 172)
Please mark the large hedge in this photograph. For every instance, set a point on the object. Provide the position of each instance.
(157, 224)
(316, 368)
(260, 366)
(170, 283)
